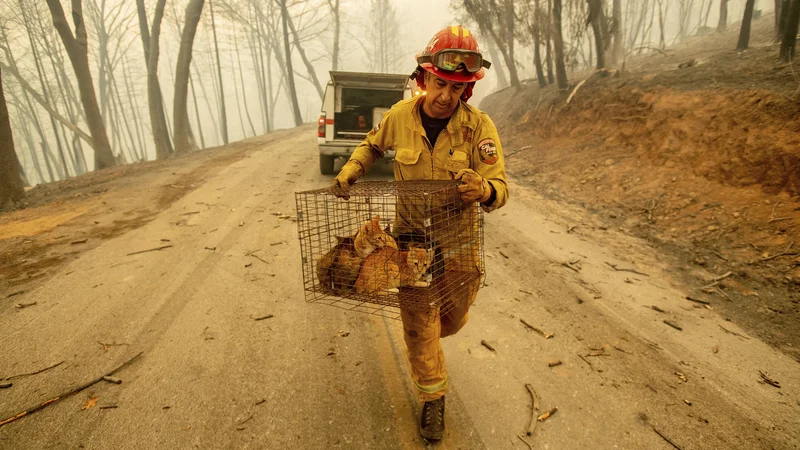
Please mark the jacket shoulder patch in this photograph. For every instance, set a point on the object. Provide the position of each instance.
(488, 151)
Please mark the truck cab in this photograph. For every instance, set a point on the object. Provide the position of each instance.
(354, 103)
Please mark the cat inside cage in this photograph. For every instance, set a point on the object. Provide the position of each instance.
(391, 246)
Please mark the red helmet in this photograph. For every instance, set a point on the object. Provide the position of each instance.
(452, 54)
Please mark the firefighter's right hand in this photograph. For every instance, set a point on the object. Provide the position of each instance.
(349, 174)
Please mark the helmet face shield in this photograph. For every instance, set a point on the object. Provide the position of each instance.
(452, 60)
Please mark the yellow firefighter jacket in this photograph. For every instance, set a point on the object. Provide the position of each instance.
(470, 141)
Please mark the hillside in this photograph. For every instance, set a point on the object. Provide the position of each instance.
(696, 149)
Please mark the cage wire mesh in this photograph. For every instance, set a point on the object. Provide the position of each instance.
(392, 246)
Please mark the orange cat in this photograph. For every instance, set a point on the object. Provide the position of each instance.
(389, 268)
(338, 269)
(371, 237)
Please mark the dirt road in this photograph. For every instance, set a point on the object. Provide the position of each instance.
(312, 377)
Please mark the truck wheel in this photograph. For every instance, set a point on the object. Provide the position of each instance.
(326, 164)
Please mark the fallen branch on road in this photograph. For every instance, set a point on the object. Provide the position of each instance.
(571, 265)
(534, 410)
(35, 373)
(623, 269)
(487, 345)
(45, 404)
(525, 442)
(24, 305)
(667, 439)
(533, 328)
(697, 300)
(253, 254)
(150, 250)
(547, 415)
(766, 379)
(734, 333)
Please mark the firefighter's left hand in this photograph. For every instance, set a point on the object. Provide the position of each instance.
(475, 187)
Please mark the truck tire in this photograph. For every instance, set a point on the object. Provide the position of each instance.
(326, 164)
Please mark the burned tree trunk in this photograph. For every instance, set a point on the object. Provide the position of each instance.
(535, 29)
(723, 16)
(537, 61)
(597, 18)
(62, 170)
(617, 32)
(549, 48)
(76, 46)
(197, 113)
(744, 34)
(223, 115)
(150, 42)
(789, 40)
(337, 27)
(561, 70)
(502, 81)
(298, 119)
(241, 79)
(11, 188)
(498, 21)
(309, 67)
(179, 109)
(781, 8)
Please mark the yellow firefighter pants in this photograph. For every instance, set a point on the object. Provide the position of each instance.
(423, 329)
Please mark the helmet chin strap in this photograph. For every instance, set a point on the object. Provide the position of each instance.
(419, 77)
(467, 91)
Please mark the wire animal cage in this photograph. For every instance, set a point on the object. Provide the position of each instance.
(391, 246)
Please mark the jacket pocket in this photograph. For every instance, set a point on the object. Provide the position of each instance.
(457, 161)
(408, 156)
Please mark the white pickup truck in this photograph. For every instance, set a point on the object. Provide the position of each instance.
(354, 103)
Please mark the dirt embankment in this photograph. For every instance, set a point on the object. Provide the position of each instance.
(702, 160)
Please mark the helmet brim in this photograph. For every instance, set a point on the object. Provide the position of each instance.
(457, 77)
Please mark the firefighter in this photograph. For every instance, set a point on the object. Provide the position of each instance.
(438, 136)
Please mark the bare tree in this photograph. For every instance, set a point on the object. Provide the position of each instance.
(65, 91)
(496, 18)
(781, 17)
(150, 42)
(723, 16)
(309, 67)
(27, 92)
(76, 46)
(789, 40)
(62, 170)
(532, 18)
(298, 119)
(744, 34)
(598, 21)
(179, 110)
(497, 65)
(383, 37)
(617, 31)
(561, 70)
(223, 115)
(337, 26)
(662, 12)
(11, 188)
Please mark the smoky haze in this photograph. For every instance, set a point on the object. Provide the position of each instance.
(49, 120)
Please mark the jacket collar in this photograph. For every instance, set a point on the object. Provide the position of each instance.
(458, 121)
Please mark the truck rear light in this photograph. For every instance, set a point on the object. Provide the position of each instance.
(321, 126)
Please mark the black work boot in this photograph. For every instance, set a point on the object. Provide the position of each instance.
(431, 424)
